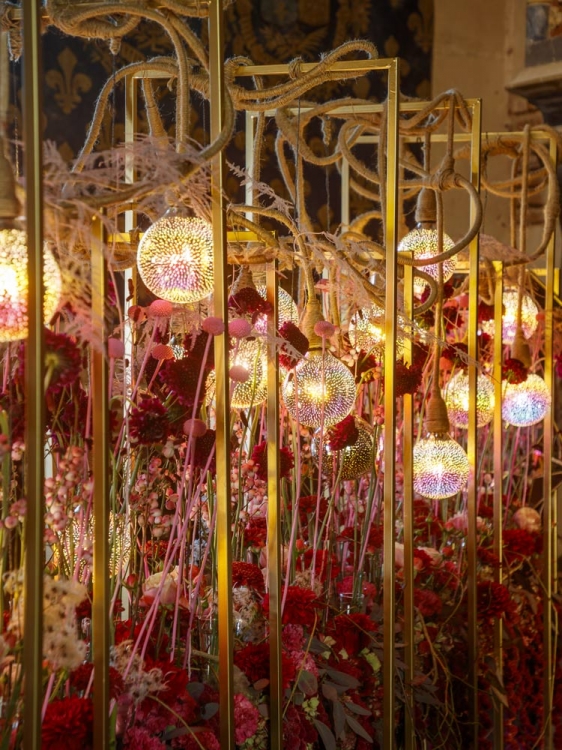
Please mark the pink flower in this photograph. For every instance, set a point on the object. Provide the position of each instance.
(246, 717)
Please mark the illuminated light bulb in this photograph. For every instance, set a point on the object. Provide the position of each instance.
(287, 311)
(440, 467)
(120, 547)
(14, 283)
(366, 331)
(251, 357)
(175, 258)
(456, 396)
(353, 460)
(527, 403)
(529, 312)
(324, 392)
(423, 242)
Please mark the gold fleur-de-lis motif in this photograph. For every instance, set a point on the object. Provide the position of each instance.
(422, 25)
(67, 84)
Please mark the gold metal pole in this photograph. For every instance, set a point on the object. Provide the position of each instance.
(408, 469)
(224, 530)
(498, 486)
(34, 377)
(390, 329)
(549, 510)
(100, 466)
(274, 521)
(472, 440)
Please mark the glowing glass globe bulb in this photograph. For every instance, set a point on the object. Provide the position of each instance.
(456, 395)
(440, 467)
(251, 355)
(319, 391)
(423, 242)
(14, 284)
(529, 312)
(526, 403)
(175, 258)
(353, 460)
(366, 331)
(287, 311)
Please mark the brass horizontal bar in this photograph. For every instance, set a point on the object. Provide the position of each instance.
(15, 14)
(125, 237)
(348, 66)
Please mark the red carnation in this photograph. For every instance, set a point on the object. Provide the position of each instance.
(298, 732)
(514, 371)
(485, 312)
(343, 434)
(255, 532)
(253, 661)
(248, 301)
(324, 563)
(181, 377)
(148, 422)
(259, 457)
(297, 340)
(493, 600)
(80, 679)
(68, 723)
(194, 346)
(518, 543)
(299, 607)
(351, 632)
(406, 379)
(248, 574)
(427, 602)
(63, 361)
(456, 354)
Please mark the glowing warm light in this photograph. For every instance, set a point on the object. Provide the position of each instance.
(355, 459)
(287, 311)
(456, 396)
(14, 283)
(423, 242)
(440, 467)
(251, 355)
(319, 391)
(175, 258)
(366, 331)
(529, 312)
(526, 403)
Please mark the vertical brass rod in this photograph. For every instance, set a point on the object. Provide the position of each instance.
(498, 486)
(249, 161)
(408, 469)
(390, 329)
(224, 533)
(274, 520)
(100, 467)
(34, 377)
(472, 440)
(549, 510)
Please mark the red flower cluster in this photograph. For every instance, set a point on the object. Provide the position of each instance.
(456, 354)
(80, 679)
(514, 371)
(365, 367)
(297, 340)
(248, 574)
(351, 632)
(180, 377)
(518, 543)
(255, 532)
(253, 660)
(259, 457)
(248, 301)
(343, 434)
(63, 361)
(148, 422)
(407, 379)
(204, 445)
(68, 723)
(428, 602)
(300, 606)
(493, 600)
(325, 563)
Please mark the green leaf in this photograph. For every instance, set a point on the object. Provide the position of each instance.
(329, 691)
(261, 684)
(209, 710)
(358, 709)
(195, 689)
(339, 719)
(308, 682)
(358, 729)
(326, 735)
(343, 679)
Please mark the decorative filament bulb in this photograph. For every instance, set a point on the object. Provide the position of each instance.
(529, 312)
(175, 258)
(527, 403)
(423, 242)
(287, 311)
(251, 356)
(366, 331)
(353, 460)
(440, 467)
(456, 395)
(320, 391)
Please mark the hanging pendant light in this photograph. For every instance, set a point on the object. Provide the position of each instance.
(423, 241)
(526, 403)
(456, 394)
(366, 331)
(248, 370)
(353, 460)
(14, 265)
(287, 311)
(320, 391)
(175, 258)
(529, 312)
